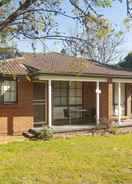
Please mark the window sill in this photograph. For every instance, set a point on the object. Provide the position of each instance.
(9, 105)
(116, 117)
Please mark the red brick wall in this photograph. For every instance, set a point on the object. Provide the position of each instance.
(89, 97)
(110, 100)
(16, 118)
(104, 100)
(128, 99)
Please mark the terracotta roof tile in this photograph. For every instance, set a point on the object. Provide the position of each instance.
(12, 66)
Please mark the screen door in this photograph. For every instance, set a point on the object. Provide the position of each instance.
(39, 104)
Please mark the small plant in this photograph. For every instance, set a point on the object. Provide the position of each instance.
(103, 123)
(114, 129)
(45, 134)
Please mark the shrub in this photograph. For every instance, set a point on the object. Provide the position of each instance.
(103, 123)
(114, 129)
(45, 134)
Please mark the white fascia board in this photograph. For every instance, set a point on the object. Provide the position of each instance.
(122, 80)
(70, 78)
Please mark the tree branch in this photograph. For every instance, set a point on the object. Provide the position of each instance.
(14, 15)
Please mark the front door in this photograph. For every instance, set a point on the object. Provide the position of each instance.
(39, 104)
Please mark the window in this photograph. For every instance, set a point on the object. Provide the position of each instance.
(67, 96)
(60, 100)
(7, 91)
(75, 99)
(60, 93)
(63, 93)
(115, 99)
(75, 93)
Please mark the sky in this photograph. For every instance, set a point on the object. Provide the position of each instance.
(116, 14)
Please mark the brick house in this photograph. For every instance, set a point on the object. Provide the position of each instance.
(61, 91)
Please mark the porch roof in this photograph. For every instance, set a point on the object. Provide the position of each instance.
(56, 63)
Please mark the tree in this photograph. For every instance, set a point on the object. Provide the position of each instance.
(105, 50)
(127, 62)
(37, 19)
(129, 8)
(34, 18)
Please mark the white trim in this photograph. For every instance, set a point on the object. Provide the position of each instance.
(98, 91)
(122, 80)
(71, 78)
(49, 103)
(39, 81)
(119, 103)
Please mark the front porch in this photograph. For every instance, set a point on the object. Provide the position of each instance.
(82, 103)
(69, 104)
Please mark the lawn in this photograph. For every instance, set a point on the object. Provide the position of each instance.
(77, 160)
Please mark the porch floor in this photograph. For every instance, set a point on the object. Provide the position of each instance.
(127, 122)
(68, 128)
(72, 128)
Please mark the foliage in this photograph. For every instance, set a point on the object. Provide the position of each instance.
(40, 20)
(4, 2)
(128, 23)
(45, 133)
(114, 129)
(127, 62)
(77, 160)
(129, 8)
(104, 49)
(103, 123)
(104, 3)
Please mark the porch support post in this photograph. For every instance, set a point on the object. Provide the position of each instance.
(49, 104)
(110, 100)
(119, 103)
(97, 103)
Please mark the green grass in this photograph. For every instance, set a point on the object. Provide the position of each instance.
(77, 160)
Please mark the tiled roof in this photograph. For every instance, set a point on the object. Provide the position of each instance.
(13, 67)
(55, 63)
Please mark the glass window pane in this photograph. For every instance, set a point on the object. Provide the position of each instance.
(9, 91)
(123, 99)
(60, 95)
(72, 100)
(63, 101)
(79, 92)
(13, 97)
(63, 92)
(39, 113)
(78, 100)
(72, 92)
(56, 101)
(75, 93)
(1, 93)
(59, 113)
(6, 97)
(56, 92)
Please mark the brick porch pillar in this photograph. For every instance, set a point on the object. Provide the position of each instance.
(128, 99)
(110, 100)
